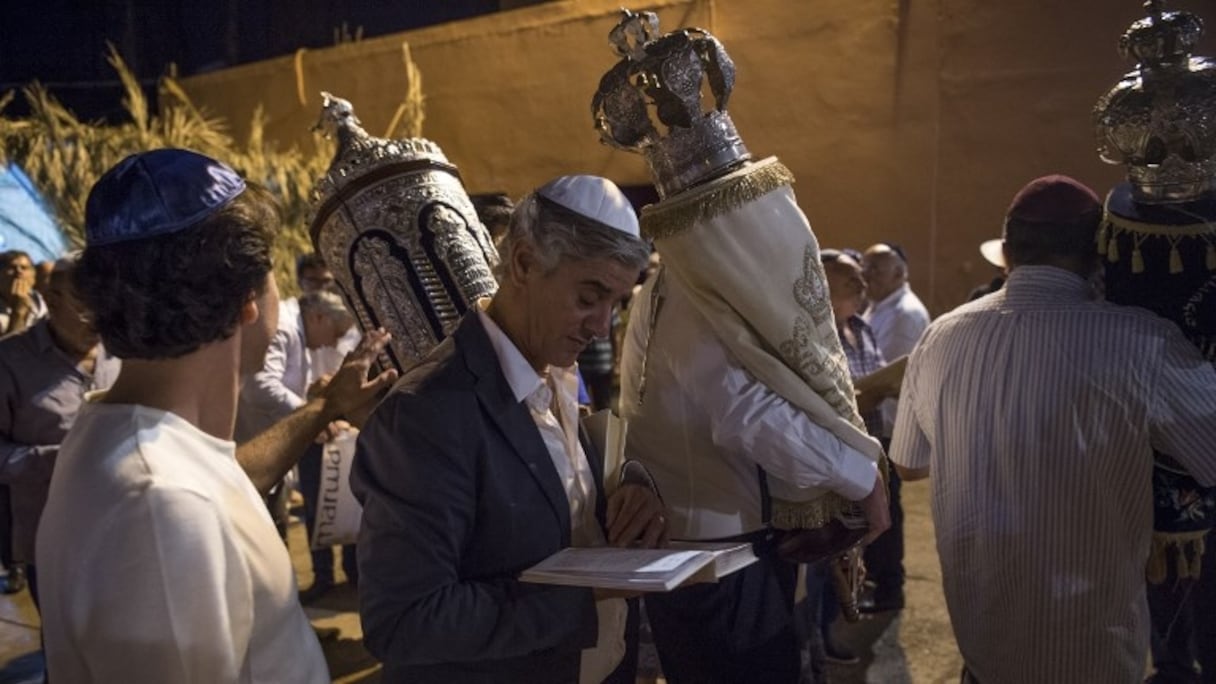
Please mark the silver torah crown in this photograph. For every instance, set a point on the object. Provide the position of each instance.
(688, 141)
(395, 225)
(1160, 120)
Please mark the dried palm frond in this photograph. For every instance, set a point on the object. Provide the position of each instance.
(64, 156)
(411, 112)
(133, 96)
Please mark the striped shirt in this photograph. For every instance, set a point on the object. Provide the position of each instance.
(863, 359)
(1037, 409)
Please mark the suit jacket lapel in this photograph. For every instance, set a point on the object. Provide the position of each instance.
(511, 416)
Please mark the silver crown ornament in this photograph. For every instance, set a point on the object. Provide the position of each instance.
(1160, 119)
(393, 222)
(651, 103)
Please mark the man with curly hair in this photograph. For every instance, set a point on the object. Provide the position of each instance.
(159, 561)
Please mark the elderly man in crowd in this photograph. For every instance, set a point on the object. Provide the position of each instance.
(1036, 410)
(897, 318)
(474, 467)
(45, 372)
(314, 331)
(20, 307)
(316, 320)
(158, 561)
(20, 304)
(895, 313)
(847, 292)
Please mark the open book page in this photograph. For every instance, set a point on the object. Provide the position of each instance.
(728, 557)
(630, 569)
(610, 567)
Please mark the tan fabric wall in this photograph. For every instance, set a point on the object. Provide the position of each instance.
(906, 120)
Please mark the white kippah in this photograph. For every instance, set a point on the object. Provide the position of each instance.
(596, 198)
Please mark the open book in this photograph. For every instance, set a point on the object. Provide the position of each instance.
(629, 569)
(886, 381)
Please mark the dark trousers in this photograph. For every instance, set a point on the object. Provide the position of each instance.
(6, 528)
(1183, 615)
(741, 629)
(815, 619)
(885, 556)
(323, 559)
(31, 578)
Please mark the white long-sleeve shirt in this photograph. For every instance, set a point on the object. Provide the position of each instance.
(279, 388)
(702, 425)
(898, 320)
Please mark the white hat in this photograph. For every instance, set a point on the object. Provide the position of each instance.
(993, 254)
(596, 198)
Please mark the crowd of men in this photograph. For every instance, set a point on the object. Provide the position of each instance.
(145, 492)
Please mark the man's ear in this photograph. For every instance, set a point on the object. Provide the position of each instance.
(249, 310)
(523, 262)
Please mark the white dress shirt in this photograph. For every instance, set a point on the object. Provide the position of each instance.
(326, 360)
(560, 434)
(158, 561)
(701, 425)
(897, 321)
(1037, 409)
(280, 387)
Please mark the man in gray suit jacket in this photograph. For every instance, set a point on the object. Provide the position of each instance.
(474, 468)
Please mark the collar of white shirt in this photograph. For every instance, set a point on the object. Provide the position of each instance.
(890, 300)
(521, 376)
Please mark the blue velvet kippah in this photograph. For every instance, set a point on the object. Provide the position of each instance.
(157, 193)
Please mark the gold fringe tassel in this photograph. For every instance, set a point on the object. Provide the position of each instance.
(1211, 258)
(1189, 548)
(676, 215)
(1137, 260)
(808, 515)
(1120, 223)
(1103, 236)
(1112, 250)
(1175, 260)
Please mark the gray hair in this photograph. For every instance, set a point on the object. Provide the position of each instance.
(559, 234)
(325, 302)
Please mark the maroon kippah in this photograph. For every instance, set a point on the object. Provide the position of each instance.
(1053, 199)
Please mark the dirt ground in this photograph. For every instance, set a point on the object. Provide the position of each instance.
(915, 646)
